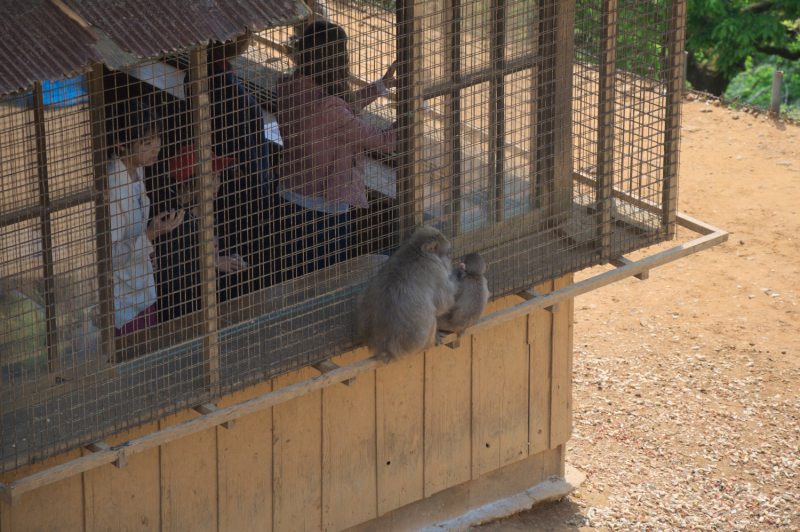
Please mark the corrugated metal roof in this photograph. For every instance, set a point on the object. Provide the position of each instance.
(39, 41)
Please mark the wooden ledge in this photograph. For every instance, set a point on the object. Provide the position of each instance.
(11, 492)
(326, 366)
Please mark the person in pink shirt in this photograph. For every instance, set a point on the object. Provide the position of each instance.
(322, 173)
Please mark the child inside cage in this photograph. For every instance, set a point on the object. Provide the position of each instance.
(242, 208)
(322, 172)
(135, 142)
(177, 252)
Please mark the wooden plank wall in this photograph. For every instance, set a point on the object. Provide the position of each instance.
(341, 456)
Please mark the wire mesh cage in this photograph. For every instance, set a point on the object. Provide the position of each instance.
(183, 226)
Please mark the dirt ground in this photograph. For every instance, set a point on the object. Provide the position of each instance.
(686, 385)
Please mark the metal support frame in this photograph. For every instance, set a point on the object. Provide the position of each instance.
(198, 75)
(11, 492)
(51, 327)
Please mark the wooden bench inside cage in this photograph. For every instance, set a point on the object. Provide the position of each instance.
(523, 134)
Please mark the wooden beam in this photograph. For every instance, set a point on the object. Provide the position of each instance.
(12, 491)
(544, 183)
(452, 115)
(55, 205)
(100, 446)
(619, 262)
(410, 117)
(672, 131)
(327, 366)
(51, 327)
(102, 213)
(606, 111)
(529, 294)
(198, 75)
(210, 408)
(497, 114)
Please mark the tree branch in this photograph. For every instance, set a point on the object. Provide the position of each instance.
(780, 52)
(759, 7)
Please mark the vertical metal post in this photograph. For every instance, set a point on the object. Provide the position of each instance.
(51, 327)
(777, 80)
(452, 111)
(410, 185)
(675, 39)
(102, 213)
(605, 125)
(497, 115)
(201, 119)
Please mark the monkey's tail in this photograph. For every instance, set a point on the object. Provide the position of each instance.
(385, 356)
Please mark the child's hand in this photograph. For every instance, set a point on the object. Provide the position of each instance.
(231, 264)
(164, 223)
(389, 81)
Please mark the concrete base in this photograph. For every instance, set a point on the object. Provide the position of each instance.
(496, 495)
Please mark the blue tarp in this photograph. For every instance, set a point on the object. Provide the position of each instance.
(63, 93)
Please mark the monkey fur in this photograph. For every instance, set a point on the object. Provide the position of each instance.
(472, 294)
(397, 310)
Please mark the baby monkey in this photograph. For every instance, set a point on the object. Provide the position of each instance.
(397, 311)
(472, 294)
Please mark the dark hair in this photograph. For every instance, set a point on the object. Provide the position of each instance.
(131, 120)
(321, 54)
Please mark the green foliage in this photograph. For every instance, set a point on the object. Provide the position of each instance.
(641, 34)
(754, 85)
(726, 32)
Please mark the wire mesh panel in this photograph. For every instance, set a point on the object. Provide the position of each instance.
(180, 228)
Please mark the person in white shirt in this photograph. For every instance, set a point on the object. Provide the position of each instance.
(135, 142)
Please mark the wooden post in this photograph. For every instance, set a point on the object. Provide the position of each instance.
(452, 111)
(497, 115)
(605, 126)
(410, 117)
(672, 132)
(545, 108)
(51, 328)
(201, 120)
(561, 204)
(102, 213)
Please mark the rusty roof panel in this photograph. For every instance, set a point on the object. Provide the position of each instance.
(39, 43)
(151, 27)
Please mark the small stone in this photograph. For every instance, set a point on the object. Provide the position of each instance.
(751, 296)
(735, 117)
(739, 157)
(706, 110)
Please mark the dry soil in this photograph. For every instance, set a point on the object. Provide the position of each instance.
(687, 385)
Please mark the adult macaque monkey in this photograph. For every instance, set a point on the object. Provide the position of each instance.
(472, 294)
(397, 311)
